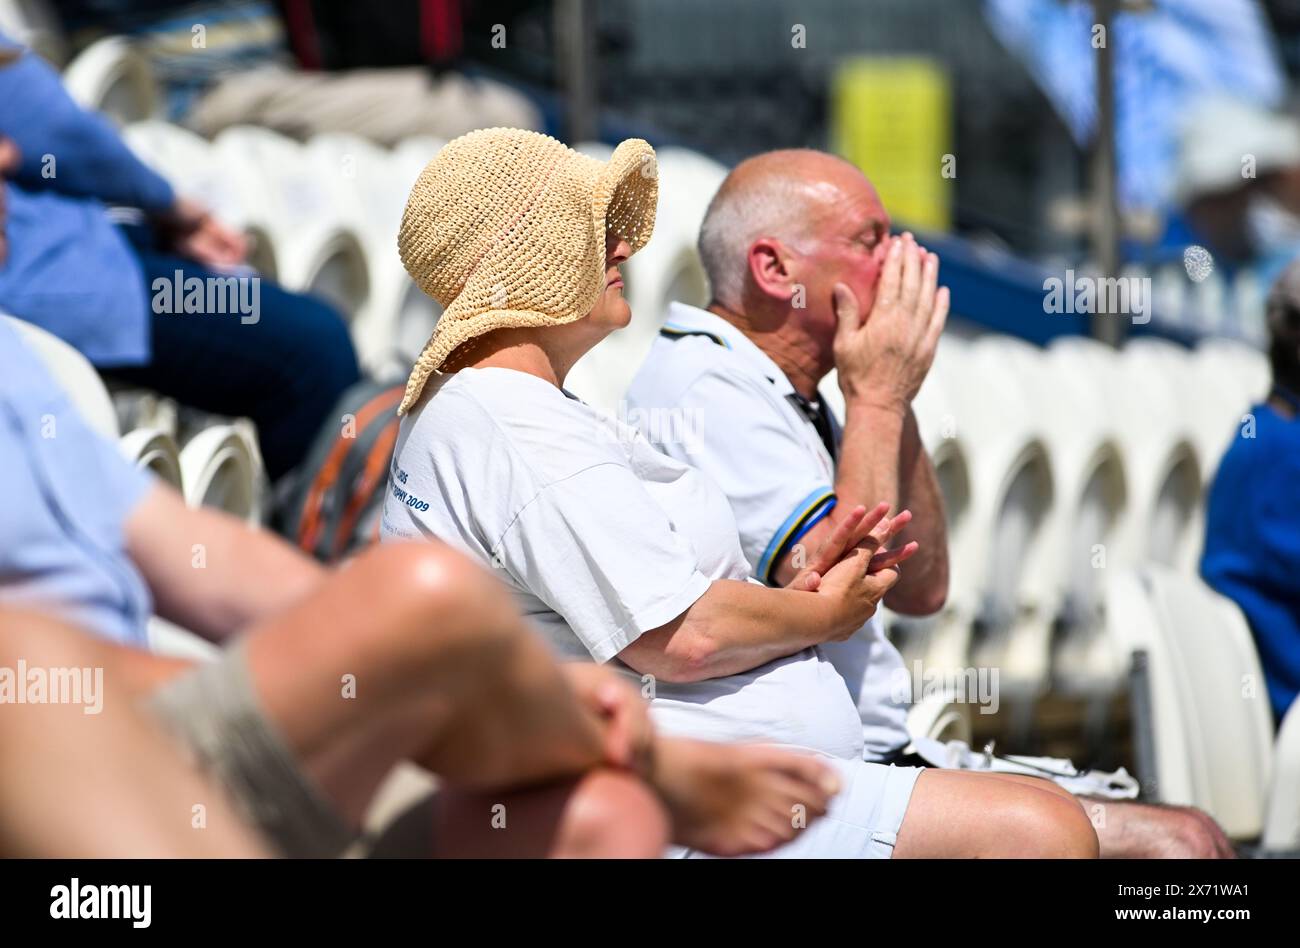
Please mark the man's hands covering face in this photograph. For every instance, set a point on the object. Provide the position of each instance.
(883, 359)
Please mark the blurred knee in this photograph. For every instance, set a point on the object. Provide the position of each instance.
(1054, 827)
(432, 598)
(613, 815)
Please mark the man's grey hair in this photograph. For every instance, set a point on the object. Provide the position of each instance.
(745, 209)
(774, 195)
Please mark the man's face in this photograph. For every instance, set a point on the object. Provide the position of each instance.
(848, 237)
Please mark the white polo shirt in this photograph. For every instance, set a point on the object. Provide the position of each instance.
(601, 538)
(707, 396)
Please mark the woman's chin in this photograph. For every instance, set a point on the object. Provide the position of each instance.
(617, 314)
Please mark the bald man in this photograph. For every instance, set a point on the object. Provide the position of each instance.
(806, 278)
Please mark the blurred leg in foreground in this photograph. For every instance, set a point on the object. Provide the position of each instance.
(107, 784)
(412, 652)
(304, 716)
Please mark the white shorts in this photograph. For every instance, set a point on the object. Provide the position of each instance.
(862, 821)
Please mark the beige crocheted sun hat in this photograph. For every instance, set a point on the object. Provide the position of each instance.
(506, 228)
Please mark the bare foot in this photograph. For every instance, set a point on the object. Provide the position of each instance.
(739, 799)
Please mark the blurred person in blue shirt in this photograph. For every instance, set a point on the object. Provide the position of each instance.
(89, 274)
(1254, 507)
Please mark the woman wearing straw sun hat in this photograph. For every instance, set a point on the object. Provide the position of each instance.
(622, 555)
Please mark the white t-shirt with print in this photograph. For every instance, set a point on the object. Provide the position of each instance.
(709, 397)
(601, 538)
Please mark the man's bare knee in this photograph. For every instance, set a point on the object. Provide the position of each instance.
(613, 814)
(1053, 827)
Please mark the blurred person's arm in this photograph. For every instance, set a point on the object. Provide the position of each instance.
(208, 571)
(62, 147)
(68, 149)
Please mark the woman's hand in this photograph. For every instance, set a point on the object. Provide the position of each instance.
(855, 591)
(861, 578)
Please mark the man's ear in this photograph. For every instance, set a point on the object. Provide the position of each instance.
(771, 268)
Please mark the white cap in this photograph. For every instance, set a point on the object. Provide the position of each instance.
(1217, 135)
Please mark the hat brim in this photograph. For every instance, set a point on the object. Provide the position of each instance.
(624, 196)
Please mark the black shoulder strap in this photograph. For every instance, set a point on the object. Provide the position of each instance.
(670, 332)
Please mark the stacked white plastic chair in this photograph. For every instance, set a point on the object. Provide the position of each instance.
(111, 77)
(365, 189)
(940, 718)
(1091, 493)
(34, 24)
(1157, 409)
(189, 162)
(316, 248)
(1158, 449)
(220, 469)
(156, 451)
(416, 312)
(1010, 499)
(1211, 725)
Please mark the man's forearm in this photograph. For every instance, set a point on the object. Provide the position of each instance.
(868, 467)
(922, 587)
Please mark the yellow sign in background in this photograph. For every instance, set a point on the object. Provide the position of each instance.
(892, 117)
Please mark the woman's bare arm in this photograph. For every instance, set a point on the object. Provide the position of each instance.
(736, 626)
